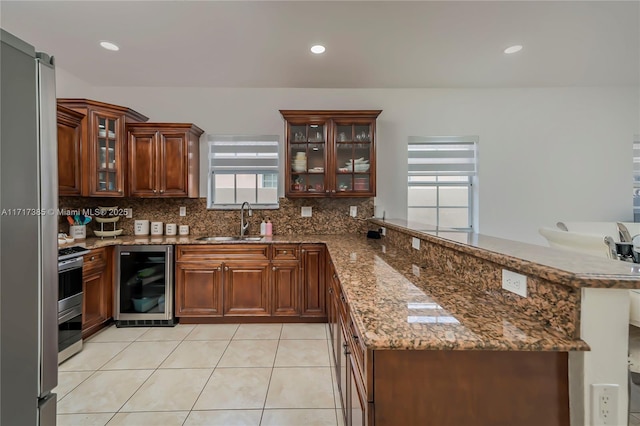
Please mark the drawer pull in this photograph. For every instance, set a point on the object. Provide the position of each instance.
(92, 258)
(342, 298)
(275, 269)
(284, 252)
(330, 290)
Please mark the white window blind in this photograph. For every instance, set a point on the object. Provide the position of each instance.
(243, 168)
(636, 178)
(444, 155)
(440, 180)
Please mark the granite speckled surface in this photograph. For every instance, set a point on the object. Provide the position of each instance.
(393, 308)
(330, 215)
(557, 266)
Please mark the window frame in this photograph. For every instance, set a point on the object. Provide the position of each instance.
(443, 179)
(243, 170)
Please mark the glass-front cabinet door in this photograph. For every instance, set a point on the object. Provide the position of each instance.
(307, 159)
(354, 157)
(330, 153)
(107, 154)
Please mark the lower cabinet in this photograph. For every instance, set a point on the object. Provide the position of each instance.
(198, 289)
(246, 288)
(285, 285)
(313, 280)
(97, 291)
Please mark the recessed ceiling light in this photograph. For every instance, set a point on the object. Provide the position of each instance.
(109, 46)
(513, 49)
(318, 49)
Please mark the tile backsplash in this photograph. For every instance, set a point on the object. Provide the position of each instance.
(329, 216)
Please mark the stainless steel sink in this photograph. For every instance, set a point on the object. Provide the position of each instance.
(229, 239)
(218, 238)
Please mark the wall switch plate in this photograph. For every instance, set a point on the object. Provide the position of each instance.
(604, 404)
(129, 214)
(306, 211)
(183, 211)
(353, 211)
(416, 270)
(383, 231)
(415, 243)
(515, 283)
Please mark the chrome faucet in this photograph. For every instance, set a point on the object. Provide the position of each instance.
(243, 225)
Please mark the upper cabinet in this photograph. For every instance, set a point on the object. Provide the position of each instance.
(163, 159)
(330, 153)
(69, 151)
(104, 154)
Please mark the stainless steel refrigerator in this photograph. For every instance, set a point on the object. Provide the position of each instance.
(28, 235)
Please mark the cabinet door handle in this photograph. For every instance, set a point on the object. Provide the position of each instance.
(326, 190)
(333, 190)
(226, 268)
(284, 252)
(303, 250)
(92, 258)
(335, 276)
(342, 298)
(162, 191)
(330, 290)
(274, 268)
(154, 191)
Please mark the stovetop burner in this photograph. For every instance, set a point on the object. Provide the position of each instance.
(71, 252)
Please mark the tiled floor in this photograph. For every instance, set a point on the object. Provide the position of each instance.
(228, 374)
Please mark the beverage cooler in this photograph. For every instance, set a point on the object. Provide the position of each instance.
(144, 288)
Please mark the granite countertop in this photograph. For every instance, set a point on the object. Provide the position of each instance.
(561, 266)
(397, 305)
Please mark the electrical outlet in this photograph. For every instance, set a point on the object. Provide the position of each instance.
(416, 270)
(604, 404)
(383, 231)
(183, 211)
(415, 243)
(306, 211)
(129, 214)
(514, 282)
(384, 248)
(353, 211)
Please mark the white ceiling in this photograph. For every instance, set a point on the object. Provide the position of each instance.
(381, 44)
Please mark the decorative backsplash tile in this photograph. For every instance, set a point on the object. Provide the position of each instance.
(329, 216)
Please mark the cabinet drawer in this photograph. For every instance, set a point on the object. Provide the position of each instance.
(221, 252)
(95, 260)
(285, 252)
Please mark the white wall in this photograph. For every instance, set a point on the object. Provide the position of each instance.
(545, 154)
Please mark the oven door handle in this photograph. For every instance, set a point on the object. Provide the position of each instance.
(69, 313)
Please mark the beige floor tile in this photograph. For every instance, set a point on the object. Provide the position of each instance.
(141, 355)
(303, 331)
(169, 390)
(302, 353)
(103, 392)
(96, 419)
(196, 354)
(68, 380)
(154, 418)
(299, 417)
(212, 332)
(249, 353)
(224, 418)
(308, 387)
(235, 388)
(115, 334)
(258, 331)
(93, 356)
(179, 332)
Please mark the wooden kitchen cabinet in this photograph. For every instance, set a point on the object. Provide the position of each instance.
(246, 288)
(285, 288)
(163, 160)
(313, 280)
(330, 153)
(103, 153)
(69, 151)
(97, 290)
(198, 289)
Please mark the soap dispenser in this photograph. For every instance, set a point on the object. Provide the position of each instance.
(269, 227)
(263, 228)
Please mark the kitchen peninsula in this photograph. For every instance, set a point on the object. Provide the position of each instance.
(436, 319)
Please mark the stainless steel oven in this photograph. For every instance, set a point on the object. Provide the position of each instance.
(70, 295)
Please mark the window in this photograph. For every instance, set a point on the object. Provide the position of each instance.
(636, 178)
(243, 168)
(440, 180)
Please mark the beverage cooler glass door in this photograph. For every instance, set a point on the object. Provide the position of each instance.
(145, 283)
